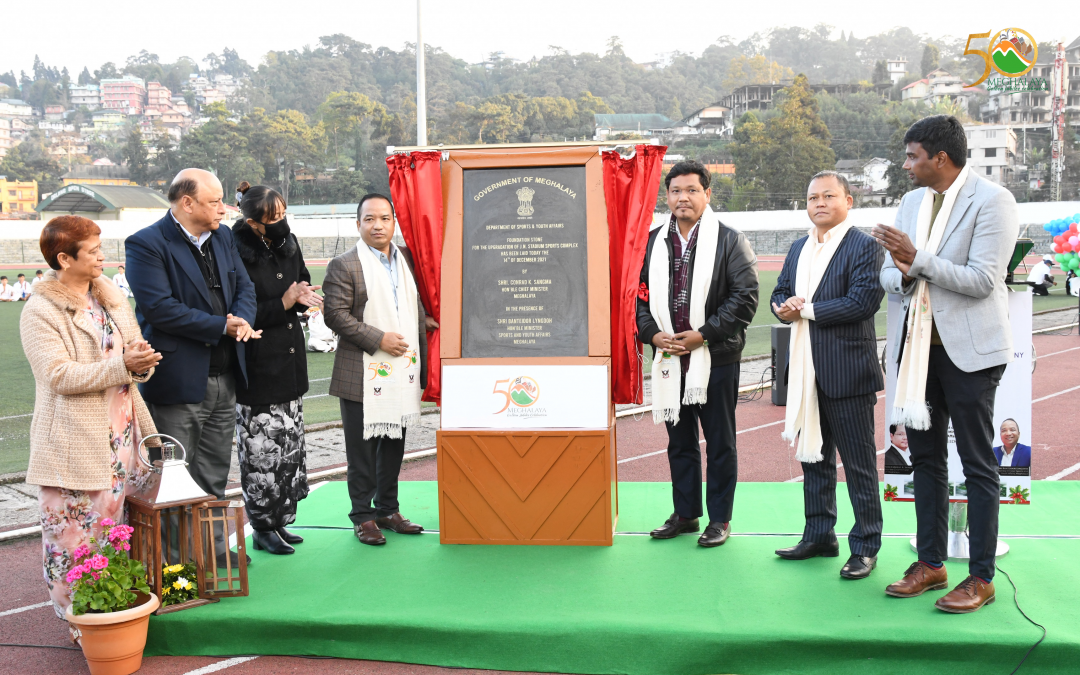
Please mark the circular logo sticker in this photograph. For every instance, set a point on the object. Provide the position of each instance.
(1014, 52)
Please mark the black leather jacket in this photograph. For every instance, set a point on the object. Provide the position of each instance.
(732, 301)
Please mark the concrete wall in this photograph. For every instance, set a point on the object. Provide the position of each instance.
(764, 242)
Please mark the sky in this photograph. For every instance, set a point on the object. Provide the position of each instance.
(78, 36)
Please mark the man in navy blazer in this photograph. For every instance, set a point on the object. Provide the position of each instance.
(195, 300)
(843, 342)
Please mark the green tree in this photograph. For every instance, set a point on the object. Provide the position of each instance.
(30, 160)
(219, 147)
(902, 118)
(344, 114)
(881, 72)
(931, 56)
(293, 142)
(136, 157)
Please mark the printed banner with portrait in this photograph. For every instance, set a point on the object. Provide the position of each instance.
(1012, 419)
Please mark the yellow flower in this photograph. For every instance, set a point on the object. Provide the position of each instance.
(176, 585)
(165, 591)
(172, 569)
(187, 586)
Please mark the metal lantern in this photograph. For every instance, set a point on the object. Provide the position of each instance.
(174, 522)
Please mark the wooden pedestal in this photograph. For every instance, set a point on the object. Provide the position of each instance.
(550, 487)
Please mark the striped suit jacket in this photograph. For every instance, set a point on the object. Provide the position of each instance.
(343, 307)
(842, 335)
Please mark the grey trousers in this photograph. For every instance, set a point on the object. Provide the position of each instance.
(205, 430)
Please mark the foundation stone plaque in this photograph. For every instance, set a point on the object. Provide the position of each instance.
(524, 263)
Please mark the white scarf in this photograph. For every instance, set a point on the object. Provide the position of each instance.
(667, 369)
(802, 416)
(909, 405)
(391, 383)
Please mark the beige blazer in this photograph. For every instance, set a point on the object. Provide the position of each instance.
(69, 434)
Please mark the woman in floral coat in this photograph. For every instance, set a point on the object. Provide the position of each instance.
(270, 409)
(85, 349)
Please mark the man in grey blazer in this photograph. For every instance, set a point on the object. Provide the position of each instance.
(374, 463)
(970, 345)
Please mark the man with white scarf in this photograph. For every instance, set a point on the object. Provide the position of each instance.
(829, 290)
(380, 365)
(698, 293)
(947, 258)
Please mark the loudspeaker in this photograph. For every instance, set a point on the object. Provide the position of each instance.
(781, 336)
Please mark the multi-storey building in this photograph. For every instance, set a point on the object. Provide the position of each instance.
(10, 107)
(158, 97)
(126, 94)
(19, 197)
(84, 96)
(937, 86)
(1033, 108)
(5, 136)
(992, 151)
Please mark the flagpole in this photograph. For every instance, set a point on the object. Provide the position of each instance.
(421, 89)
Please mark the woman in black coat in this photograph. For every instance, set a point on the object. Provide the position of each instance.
(270, 409)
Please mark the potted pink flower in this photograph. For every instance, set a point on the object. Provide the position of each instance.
(110, 602)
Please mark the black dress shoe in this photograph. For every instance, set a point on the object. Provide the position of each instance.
(234, 558)
(858, 567)
(805, 550)
(674, 526)
(270, 542)
(289, 537)
(715, 535)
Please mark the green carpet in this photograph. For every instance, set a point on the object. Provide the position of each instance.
(640, 606)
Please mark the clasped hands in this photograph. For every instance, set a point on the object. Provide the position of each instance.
(237, 327)
(790, 309)
(898, 245)
(679, 343)
(139, 356)
(304, 293)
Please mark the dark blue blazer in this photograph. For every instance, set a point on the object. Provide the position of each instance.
(174, 310)
(842, 335)
(1021, 455)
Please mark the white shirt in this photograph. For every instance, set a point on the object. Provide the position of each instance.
(1039, 273)
(120, 280)
(1006, 456)
(22, 289)
(198, 241)
(7, 292)
(35, 283)
(686, 240)
(838, 230)
(906, 454)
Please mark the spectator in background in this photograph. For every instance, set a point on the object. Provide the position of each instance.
(1042, 276)
(22, 288)
(121, 281)
(7, 291)
(270, 406)
(320, 338)
(85, 349)
(38, 278)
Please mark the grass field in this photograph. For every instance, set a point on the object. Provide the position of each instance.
(17, 394)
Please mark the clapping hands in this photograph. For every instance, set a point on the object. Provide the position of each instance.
(240, 329)
(302, 293)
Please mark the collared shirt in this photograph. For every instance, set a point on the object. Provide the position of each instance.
(22, 288)
(836, 231)
(391, 267)
(197, 241)
(681, 248)
(906, 454)
(1007, 456)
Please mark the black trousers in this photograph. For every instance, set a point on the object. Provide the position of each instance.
(374, 465)
(968, 400)
(847, 426)
(717, 419)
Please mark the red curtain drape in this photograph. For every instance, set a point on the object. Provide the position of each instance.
(630, 187)
(416, 188)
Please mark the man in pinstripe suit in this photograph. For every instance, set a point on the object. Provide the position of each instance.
(374, 463)
(847, 376)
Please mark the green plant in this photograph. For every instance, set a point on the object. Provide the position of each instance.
(177, 584)
(105, 580)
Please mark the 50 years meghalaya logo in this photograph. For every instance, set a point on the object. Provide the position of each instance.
(1012, 53)
(381, 369)
(521, 392)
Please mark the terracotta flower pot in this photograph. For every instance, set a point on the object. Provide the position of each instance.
(113, 643)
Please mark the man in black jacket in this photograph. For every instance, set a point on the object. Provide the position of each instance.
(707, 334)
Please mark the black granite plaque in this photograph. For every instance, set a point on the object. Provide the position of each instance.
(524, 264)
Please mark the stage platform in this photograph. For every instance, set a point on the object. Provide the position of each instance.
(643, 606)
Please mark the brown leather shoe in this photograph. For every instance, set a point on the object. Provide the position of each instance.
(368, 533)
(968, 597)
(919, 579)
(398, 523)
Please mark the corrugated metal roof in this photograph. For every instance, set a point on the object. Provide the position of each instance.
(101, 197)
